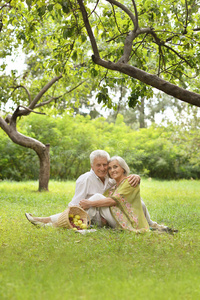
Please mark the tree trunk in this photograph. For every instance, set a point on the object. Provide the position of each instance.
(119, 103)
(141, 116)
(44, 174)
(28, 142)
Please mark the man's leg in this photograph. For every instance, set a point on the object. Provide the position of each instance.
(54, 218)
(97, 213)
(94, 212)
(106, 214)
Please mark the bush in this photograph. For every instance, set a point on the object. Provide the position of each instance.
(158, 151)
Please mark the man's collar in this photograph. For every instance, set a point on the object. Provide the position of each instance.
(106, 177)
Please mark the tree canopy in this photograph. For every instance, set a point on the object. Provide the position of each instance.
(153, 42)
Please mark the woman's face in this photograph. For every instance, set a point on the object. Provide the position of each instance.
(116, 171)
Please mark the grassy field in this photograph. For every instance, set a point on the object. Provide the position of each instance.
(53, 264)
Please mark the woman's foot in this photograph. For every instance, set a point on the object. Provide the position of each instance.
(162, 228)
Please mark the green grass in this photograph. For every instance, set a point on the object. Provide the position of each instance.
(53, 264)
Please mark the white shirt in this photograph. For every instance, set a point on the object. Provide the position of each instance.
(89, 184)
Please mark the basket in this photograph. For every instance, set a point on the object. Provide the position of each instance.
(63, 220)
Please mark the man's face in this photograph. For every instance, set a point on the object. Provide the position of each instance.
(100, 167)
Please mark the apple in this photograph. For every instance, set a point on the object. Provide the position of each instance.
(83, 226)
(77, 217)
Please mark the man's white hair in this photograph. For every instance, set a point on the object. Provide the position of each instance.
(122, 164)
(98, 153)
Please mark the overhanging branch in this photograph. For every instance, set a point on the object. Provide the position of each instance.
(152, 80)
(88, 28)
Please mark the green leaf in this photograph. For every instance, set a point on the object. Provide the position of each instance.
(68, 32)
(21, 35)
(50, 7)
(65, 7)
(41, 11)
(74, 55)
(94, 72)
(83, 38)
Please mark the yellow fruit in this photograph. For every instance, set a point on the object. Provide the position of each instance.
(77, 217)
(75, 229)
(71, 215)
(83, 226)
(79, 222)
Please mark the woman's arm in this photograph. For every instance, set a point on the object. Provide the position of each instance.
(86, 204)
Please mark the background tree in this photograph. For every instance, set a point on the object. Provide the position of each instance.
(18, 90)
(153, 43)
(9, 125)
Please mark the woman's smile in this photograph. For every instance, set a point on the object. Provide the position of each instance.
(116, 171)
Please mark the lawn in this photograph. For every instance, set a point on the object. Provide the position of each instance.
(53, 264)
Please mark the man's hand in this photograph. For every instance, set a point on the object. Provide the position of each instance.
(85, 204)
(134, 180)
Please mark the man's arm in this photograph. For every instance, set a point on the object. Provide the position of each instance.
(86, 204)
(80, 192)
(134, 180)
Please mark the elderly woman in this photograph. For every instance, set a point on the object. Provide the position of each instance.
(121, 205)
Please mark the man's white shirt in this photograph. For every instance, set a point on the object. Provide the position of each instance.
(89, 184)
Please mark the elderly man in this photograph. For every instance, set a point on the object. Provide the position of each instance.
(93, 182)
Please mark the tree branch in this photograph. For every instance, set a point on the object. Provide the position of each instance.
(94, 8)
(115, 18)
(6, 5)
(136, 16)
(125, 9)
(152, 80)
(21, 86)
(55, 98)
(187, 13)
(30, 110)
(132, 34)
(88, 28)
(187, 62)
(43, 91)
(47, 102)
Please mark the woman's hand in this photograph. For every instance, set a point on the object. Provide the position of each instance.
(85, 204)
(134, 180)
